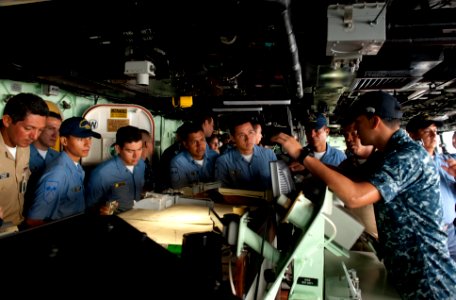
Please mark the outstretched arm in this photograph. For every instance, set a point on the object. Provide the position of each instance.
(353, 194)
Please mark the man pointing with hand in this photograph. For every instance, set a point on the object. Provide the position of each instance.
(405, 192)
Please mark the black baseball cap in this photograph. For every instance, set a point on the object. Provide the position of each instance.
(422, 121)
(377, 103)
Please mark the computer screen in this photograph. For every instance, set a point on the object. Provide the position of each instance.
(349, 229)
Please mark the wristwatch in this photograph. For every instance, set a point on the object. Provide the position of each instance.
(304, 152)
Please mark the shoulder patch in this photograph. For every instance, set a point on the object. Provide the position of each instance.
(50, 190)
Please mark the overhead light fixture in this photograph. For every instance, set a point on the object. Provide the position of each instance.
(17, 2)
(182, 101)
(258, 102)
(228, 109)
(417, 94)
(140, 69)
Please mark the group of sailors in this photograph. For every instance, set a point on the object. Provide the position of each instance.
(403, 191)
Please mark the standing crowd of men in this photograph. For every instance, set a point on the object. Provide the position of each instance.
(39, 184)
(49, 185)
(393, 180)
(403, 184)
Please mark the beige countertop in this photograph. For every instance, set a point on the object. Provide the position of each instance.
(169, 225)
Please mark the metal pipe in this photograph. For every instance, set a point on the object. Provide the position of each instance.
(437, 40)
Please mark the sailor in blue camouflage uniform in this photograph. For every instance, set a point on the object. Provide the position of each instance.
(196, 162)
(405, 192)
(410, 221)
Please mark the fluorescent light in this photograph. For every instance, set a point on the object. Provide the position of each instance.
(223, 109)
(258, 102)
(417, 94)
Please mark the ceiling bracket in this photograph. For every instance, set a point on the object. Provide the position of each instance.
(348, 17)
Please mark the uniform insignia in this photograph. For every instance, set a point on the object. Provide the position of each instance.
(119, 184)
(4, 175)
(50, 190)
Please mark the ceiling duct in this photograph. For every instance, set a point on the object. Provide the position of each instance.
(379, 81)
(401, 71)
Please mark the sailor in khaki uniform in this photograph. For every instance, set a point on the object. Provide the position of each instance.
(13, 179)
(24, 117)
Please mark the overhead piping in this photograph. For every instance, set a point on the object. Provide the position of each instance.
(240, 109)
(435, 40)
(257, 102)
(294, 53)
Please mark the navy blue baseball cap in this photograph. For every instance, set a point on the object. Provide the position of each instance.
(78, 127)
(377, 103)
(422, 121)
(316, 122)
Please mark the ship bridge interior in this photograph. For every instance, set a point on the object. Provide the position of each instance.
(307, 55)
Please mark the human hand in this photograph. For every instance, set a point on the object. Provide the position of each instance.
(289, 144)
(296, 167)
(450, 167)
(109, 208)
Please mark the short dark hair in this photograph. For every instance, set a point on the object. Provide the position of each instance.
(239, 120)
(20, 105)
(144, 131)
(128, 134)
(181, 130)
(203, 117)
(145, 135)
(190, 128)
(213, 136)
(256, 123)
(53, 114)
(345, 121)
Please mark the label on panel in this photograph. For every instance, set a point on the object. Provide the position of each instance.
(118, 113)
(114, 124)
